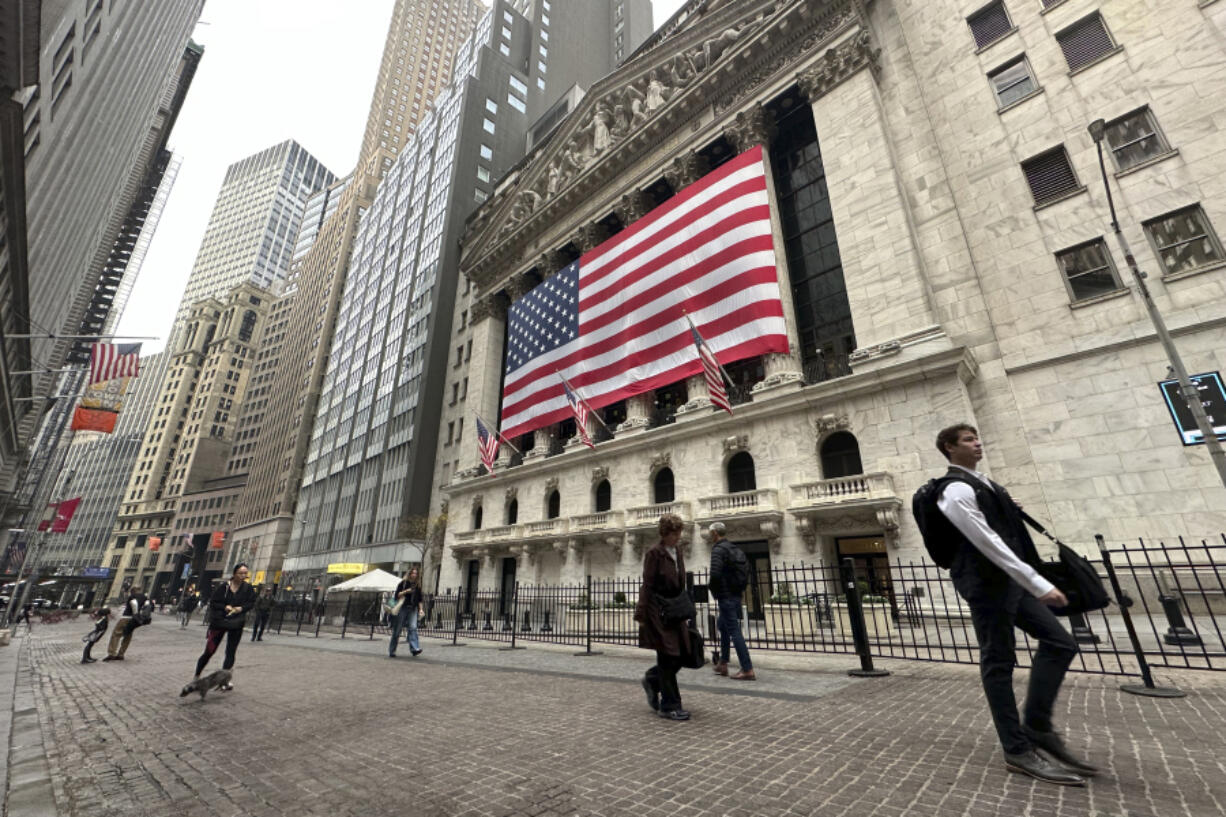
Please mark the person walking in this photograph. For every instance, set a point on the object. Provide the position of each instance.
(995, 571)
(729, 577)
(121, 636)
(263, 609)
(186, 607)
(408, 596)
(102, 620)
(228, 608)
(663, 580)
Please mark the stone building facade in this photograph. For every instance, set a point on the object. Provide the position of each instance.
(944, 254)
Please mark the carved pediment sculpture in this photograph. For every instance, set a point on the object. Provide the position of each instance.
(738, 442)
(551, 485)
(662, 460)
(599, 474)
(828, 423)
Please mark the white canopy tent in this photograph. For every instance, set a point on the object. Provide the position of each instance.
(376, 581)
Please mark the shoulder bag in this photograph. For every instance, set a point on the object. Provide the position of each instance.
(696, 658)
(676, 608)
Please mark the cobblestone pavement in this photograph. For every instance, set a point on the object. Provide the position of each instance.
(331, 727)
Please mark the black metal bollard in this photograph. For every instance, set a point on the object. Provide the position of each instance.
(1082, 633)
(589, 604)
(1147, 688)
(527, 627)
(1178, 632)
(859, 632)
(438, 621)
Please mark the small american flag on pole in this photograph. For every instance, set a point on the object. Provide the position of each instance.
(712, 371)
(610, 323)
(488, 445)
(109, 361)
(579, 409)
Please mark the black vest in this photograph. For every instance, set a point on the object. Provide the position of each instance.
(1005, 518)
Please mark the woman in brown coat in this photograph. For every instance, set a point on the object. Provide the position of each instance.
(663, 575)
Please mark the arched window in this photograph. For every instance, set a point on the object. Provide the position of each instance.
(604, 496)
(840, 456)
(662, 486)
(477, 513)
(740, 473)
(512, 511)
(553, 506)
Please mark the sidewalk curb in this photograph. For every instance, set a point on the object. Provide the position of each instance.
(26, 778)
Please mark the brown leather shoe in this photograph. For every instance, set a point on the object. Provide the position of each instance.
(745, 675)
(720, 669)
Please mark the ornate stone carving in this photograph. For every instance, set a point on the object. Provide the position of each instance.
(696, 390)
(551, 485)
(511, 493)
(808, 533)
(519, 285)
(828, 423)
(887, 349)
(770, 530)
(634, 205)
(550, 263)
(739, 442)
(839, 63)
(662, 460)
(637, 543)
(753, 127)
(589, 236)
(887, 518)
(685, 169)
(599, 474)
(486, 307)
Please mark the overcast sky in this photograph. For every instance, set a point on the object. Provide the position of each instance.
(272, 70)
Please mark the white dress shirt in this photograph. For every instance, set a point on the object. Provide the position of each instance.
(960, 507)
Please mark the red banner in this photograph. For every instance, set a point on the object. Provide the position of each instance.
(218, 540)
(155, 543)
(63, 515)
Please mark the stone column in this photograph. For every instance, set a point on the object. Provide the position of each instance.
(638, 413)
(752, 128)
(700, 399)
(489, 330)
(873, 215)
(541, 441)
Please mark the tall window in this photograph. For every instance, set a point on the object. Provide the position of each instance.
(741, 473)
(1088, 270)
(553, 505)
(604, 496)
(841, 456)
(477, 516)
(662, 486)
(512, 511)
(819, 293)
(1134, 138)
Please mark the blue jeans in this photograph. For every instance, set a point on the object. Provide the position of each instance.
(729, 626)
(406, 619)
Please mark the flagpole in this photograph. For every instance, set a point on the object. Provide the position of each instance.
(591, 411)
(722, 370)
(505, 441)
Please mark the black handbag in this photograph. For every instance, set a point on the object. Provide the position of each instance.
(696, 658)
(676, 608)
(1073, 575)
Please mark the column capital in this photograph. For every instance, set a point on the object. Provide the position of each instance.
(633, 206)
(490, 306)
(752, 127)
(589, 236)
(550, 262)
(839, 63)
(685, 169)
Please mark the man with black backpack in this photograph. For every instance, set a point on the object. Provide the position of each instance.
(729, 578)
(976, 531)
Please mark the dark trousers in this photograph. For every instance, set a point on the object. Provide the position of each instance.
(213, 640)
(995, 612)
(663, 676)
(261, 621)
(729, 626)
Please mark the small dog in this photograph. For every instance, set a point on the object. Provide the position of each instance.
(207, 682)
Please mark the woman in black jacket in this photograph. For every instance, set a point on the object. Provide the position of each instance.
(227, 616)
(663, 577)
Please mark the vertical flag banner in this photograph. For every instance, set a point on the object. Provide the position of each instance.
(488, 444)
(218, 540)
(48, 516)
(111, 367)
(63, 515)
(712, 372)
(155, 544)
(613, 323)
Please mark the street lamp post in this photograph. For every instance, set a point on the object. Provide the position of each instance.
(1186, 387)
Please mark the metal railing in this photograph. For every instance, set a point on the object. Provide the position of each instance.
(1169, 611)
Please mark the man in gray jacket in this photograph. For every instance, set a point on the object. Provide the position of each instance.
(729, 578)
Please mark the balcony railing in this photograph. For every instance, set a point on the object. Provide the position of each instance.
(857, 488)
(648, 515)
(501, 532)
(742, 502)
(545, 527)
(596, 521)
(821, 369)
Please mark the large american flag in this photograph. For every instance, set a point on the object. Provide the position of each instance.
(613, 323)
(109, 361)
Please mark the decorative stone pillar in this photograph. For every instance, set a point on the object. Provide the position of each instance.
(638, 413)
(488, 315)
(589, 236)
(550, 263)
(633, 206)
(700, 399)
(751, 128)
(541, 441)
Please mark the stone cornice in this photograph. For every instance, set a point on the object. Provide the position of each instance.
(821, 399)
(633, 111)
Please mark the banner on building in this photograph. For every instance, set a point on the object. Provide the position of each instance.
(155, 543)
(259, 577)
(96, 573)
(218, 540)
(348, 568)
(63, 515)
(48, 517)
(111, 367)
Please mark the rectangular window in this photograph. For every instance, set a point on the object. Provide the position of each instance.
(487, 152)
(1013, 81)
(491, 106)
(1085, 41)
(506, 32)
(505, 49)
(540, 83)
(519, 85)
(482, 174)
(989, 24)
(516, 103)
(1134, 138)
(1184, 240)
(1088, 270)
(480, 196)
(541, 66)
(488, 125)
(1050, 175)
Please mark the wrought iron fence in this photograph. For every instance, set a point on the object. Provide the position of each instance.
(1169, 609)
